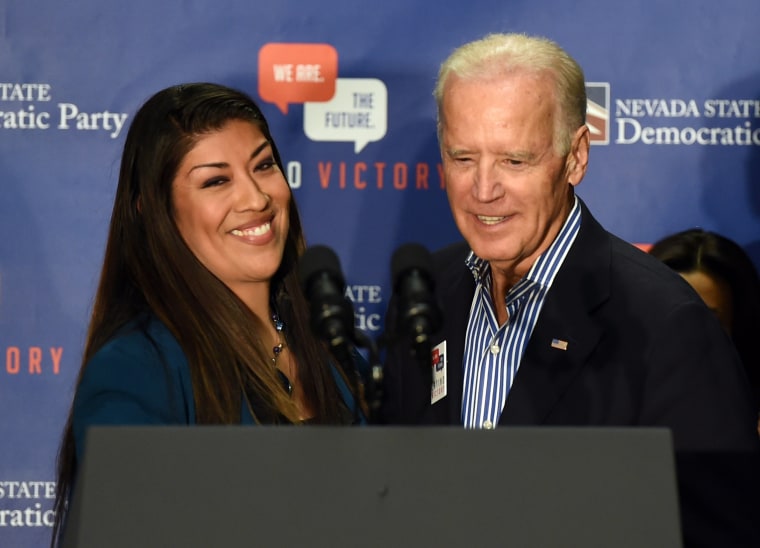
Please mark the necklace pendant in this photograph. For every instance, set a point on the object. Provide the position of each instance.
(276, 351)
(279, 325)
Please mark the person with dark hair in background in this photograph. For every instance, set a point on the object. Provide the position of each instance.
(548, 319)
(199, 317)
(727, 280)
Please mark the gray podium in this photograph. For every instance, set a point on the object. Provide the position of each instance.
(375, 487)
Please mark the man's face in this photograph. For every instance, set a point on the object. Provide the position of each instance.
(508, 188)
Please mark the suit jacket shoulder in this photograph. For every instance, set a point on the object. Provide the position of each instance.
(642, 349)
(141, 376)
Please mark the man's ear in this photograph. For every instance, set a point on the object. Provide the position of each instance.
(577, 158)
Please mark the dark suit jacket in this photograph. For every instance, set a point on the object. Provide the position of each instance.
(642, 350)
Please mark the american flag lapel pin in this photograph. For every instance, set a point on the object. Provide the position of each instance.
(559, 344)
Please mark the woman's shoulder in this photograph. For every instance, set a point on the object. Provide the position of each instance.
(140, 371)
(146, 339)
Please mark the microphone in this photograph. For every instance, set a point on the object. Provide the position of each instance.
(332, 319)
(418, 313)
(332, 314)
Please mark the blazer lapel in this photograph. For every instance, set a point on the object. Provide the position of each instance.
(566, 333)
(557, 351)
(457, 313)
(455, 281)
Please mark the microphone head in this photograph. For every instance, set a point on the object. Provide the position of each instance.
(332, 314)
(319, 259)
(409, 257)
(417, 314)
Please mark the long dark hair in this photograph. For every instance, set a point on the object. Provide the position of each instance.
(148, 269)
(698, 250)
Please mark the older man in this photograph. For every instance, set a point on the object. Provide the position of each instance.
(548, 318)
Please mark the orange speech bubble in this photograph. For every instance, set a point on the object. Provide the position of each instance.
(297, 73)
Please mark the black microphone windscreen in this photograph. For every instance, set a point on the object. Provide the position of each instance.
(408, 257)
(319, 259)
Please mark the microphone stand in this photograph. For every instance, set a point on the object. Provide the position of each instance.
(333, 321)
(374, 379)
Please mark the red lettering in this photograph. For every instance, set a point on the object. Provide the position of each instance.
(342, 174)
(35, 360)
(359, 168)
(56, 354)
(362, 178)
(13, 360)
(324, 173)
(399, 176)
(422, 176)
(380, 166)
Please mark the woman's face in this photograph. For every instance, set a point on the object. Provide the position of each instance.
(231, 206)
(715, 292)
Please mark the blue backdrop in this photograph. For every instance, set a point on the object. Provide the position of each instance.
(346, 85)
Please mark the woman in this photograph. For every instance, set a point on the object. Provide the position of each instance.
(199, 316)
(726, 279)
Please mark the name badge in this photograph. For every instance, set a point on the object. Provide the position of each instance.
(438, 390)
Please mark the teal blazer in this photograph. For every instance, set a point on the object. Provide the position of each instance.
(141, 377)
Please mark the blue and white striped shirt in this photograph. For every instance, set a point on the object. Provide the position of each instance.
(492, 354)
